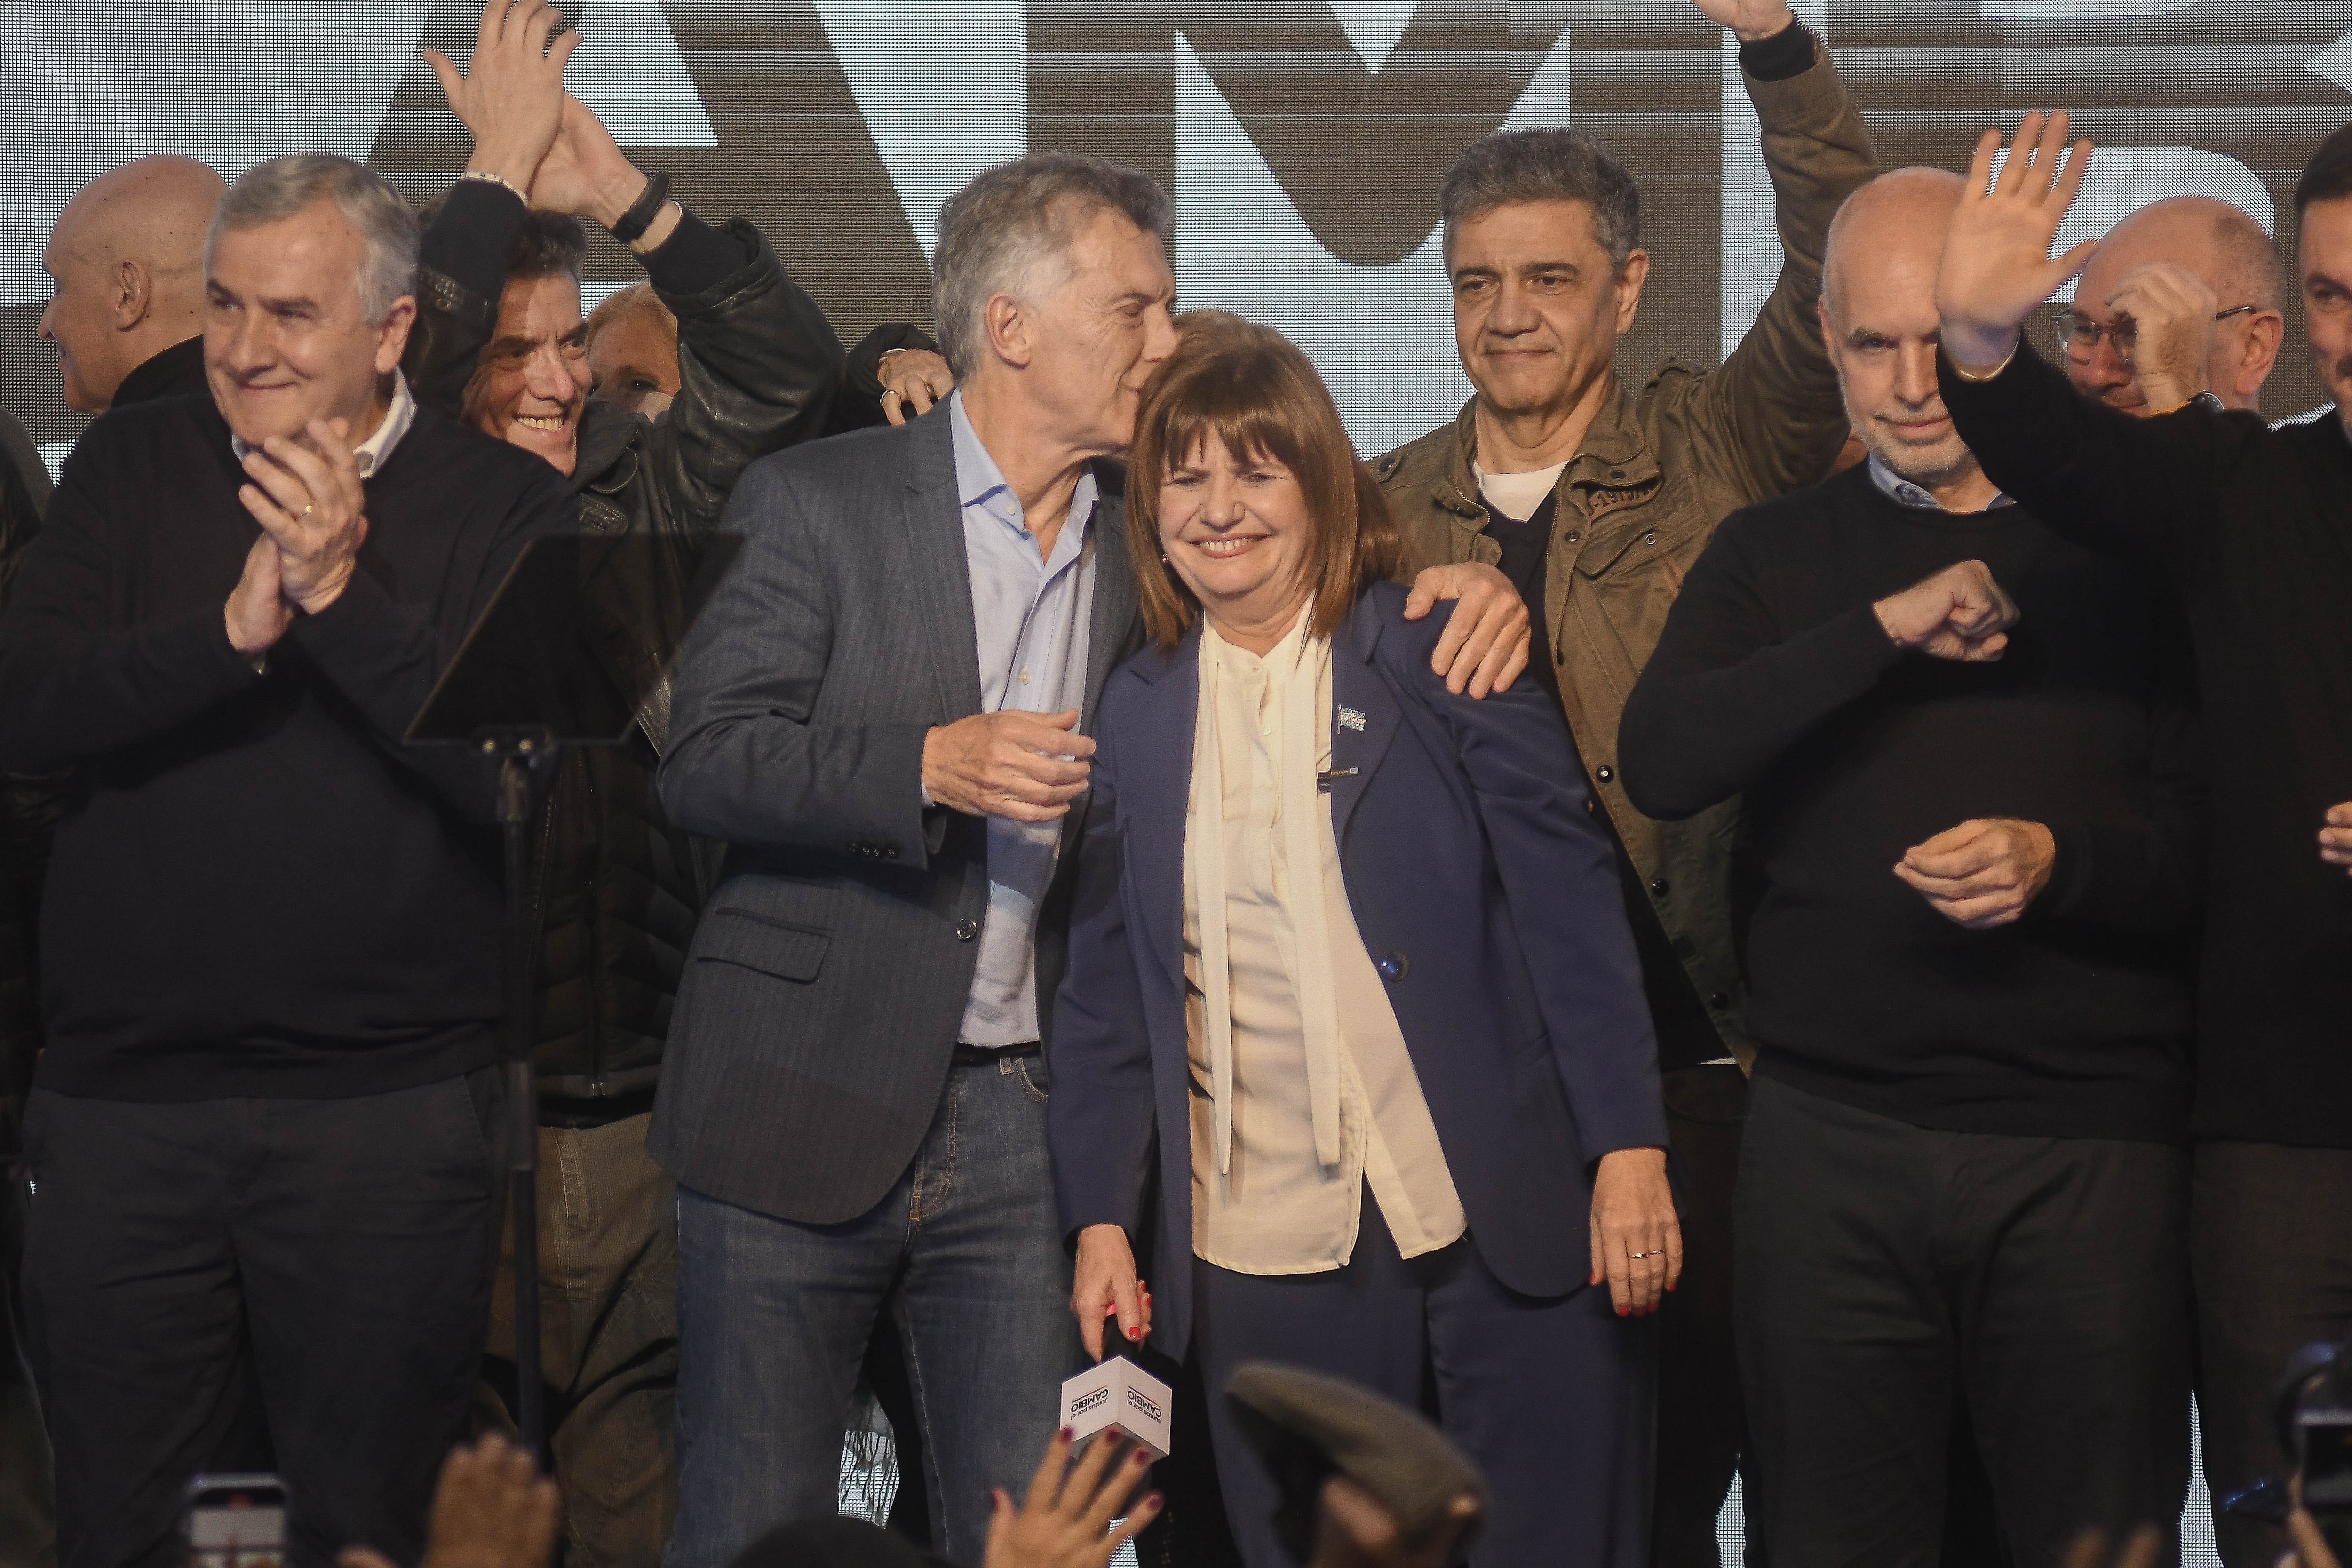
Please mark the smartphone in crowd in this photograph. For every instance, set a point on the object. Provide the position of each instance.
(236, 1522)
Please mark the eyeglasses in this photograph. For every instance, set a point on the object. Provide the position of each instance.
(2080, 336)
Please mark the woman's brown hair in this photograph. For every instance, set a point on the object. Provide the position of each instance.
(1249, 388)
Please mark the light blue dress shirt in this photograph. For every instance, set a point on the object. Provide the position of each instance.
(1902, 492)
(1030, 612)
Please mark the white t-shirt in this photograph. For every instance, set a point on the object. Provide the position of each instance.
(1516, 496)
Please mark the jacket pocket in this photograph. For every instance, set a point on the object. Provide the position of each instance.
(761, 942)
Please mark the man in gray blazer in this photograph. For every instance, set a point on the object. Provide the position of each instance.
(883, 713)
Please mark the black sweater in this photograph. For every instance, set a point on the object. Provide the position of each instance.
(1775, 678)
(256, 888)
(2252, 528)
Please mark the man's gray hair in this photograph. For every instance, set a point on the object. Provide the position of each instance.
(276, 190)
(998, 234)
(1547, 164)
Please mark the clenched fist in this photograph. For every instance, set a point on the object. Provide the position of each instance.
(1960, 613)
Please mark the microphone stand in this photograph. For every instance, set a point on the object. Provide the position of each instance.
(518, 751)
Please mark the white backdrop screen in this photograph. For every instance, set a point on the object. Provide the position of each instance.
(1303, 140)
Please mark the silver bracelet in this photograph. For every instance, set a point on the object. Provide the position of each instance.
(489, 179)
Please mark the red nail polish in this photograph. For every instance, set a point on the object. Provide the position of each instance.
(1135, 1334)
(1069, 1433)
(1623, 1311)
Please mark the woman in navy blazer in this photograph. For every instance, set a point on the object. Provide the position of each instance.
(1253, 1110)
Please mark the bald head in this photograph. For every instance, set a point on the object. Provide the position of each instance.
(1893, 225)
(2224, 249)
(127, 259)
(1879, 320)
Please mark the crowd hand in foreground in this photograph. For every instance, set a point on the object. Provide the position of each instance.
(492, 1509)
(2142, 1550)
(1353, 1530)
(912, 381)
(1065, 1521)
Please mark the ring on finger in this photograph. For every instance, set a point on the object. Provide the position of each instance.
(1659, 1253)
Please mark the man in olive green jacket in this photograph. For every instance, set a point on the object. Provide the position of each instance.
(1595, 500)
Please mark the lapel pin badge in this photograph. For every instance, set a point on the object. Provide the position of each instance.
(1351, 718)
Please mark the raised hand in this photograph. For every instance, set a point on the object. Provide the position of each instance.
(306, 495)
(1751, 19)
(1065, 1521)
(511, 96)
(586, 174)
(2171, 342)
(1997, 267)
(1960, 613)
(491, 1510)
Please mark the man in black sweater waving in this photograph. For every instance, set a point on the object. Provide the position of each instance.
(270, 937)
(1969, 774)
(2252, 528)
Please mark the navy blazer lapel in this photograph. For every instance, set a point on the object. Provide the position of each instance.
(1155, 787)
(1365, 712)
(1110, 626)
(933, 518)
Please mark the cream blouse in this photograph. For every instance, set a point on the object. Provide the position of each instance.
(1302, 1088)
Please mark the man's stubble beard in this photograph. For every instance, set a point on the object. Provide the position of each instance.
(1913, 465)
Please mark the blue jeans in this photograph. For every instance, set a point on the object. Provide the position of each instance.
(965, 1254)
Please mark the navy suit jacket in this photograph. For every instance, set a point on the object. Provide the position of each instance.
(1487, 898)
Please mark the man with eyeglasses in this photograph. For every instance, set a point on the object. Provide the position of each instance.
(2252, 528)
(2165, 266)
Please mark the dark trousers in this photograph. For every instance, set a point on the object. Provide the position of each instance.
(347, 1242)
(608, 1340)
(28, 1535)
(1700, 1416)
(2271, 1245)
(1552, 1397)
(1885, 1271)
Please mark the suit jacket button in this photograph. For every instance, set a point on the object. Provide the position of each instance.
(966, 929)
(1394, 967)
(1717, 999)
(1658, 887)
(1604, 772)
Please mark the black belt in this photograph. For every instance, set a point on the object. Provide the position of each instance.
(980, 1056)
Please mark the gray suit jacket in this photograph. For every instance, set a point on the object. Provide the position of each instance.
(818, 1013)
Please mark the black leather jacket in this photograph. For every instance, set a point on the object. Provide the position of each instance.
(618, 889)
